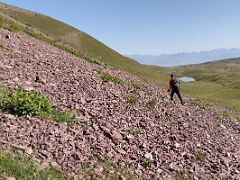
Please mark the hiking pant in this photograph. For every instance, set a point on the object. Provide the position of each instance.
(177, 91)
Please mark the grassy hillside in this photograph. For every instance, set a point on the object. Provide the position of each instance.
(217, 80)
(80, 42)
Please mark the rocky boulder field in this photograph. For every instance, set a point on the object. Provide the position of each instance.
(136, 129)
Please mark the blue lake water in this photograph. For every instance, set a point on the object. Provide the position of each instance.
(186, 79)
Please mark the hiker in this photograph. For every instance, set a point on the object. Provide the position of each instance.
(174, 88)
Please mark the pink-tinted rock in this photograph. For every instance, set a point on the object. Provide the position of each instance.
(179, 138)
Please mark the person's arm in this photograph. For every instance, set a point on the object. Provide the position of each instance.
(169, 88)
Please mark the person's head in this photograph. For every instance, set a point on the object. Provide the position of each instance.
(172, 75)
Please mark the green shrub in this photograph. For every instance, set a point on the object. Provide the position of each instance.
(95, 61)
(209, 109)
(175, 115)
(23, 103)
(152, 103)
(135, 86)
(182, 175)
(109, 78)
(162, 97)
(134, 131)
(133, 99)
(145, 162)
(201, 156)
(61, 116)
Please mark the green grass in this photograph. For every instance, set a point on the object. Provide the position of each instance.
(132, 99)
(13, 28)
(195, 102)
(23, 167)
(109, 78)
(185, 176)
(106, 170)
(152, 103)
(135, 86)
(214, 92)
(200, 156)
(145, 162)
(216, 81)
(61, 116)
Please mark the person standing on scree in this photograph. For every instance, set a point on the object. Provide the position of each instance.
(174, 88)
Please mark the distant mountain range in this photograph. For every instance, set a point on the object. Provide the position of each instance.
(168, 60)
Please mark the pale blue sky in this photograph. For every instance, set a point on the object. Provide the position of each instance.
(149, 26)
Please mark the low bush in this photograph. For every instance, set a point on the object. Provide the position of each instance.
(182, 175)
(134, 131)
(152, 103)
(201, 156)
(132, 99)
(23, 103)
(61, 116)
(145, 162)
(109, 78)
(135, 86)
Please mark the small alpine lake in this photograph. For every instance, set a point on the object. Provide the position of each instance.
(186, 79)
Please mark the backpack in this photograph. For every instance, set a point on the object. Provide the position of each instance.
(176, 83)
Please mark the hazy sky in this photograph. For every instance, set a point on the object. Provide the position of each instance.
(149, 26)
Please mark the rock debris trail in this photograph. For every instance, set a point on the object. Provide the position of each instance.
(155, 142)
